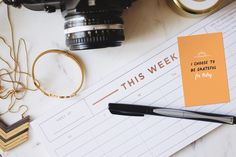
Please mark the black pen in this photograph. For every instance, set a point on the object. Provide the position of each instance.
(138, 110)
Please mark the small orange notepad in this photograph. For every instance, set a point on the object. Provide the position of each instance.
(203, 67)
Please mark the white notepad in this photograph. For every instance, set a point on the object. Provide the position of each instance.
(86, 127)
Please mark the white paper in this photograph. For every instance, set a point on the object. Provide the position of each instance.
(85, 127)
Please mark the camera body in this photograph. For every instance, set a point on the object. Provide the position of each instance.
(89, 24)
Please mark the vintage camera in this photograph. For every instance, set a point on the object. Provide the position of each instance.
(89, 24)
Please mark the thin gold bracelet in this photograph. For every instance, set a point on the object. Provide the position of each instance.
(67, 54)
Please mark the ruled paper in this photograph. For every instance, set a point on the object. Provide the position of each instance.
(85, 127)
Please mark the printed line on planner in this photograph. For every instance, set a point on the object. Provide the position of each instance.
(61, 129)
(186, 138)
(108, 95)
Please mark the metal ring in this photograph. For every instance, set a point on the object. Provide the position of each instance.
(92, 27)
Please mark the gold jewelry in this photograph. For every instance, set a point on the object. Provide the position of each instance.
(14, 88)
(189, 8)
(13, 135)
(69, 55)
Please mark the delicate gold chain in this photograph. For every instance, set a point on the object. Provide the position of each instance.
(11, 84)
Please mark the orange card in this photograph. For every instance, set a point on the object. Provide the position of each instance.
(203, 67)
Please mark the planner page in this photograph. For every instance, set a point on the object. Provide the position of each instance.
(85, 127)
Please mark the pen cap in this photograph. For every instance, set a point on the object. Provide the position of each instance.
(129, 110)
(195, 7)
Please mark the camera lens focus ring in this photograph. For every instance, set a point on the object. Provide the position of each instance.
(95, 39)
(89, 32)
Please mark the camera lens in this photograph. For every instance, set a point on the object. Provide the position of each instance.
(89, 24)
(98, 29)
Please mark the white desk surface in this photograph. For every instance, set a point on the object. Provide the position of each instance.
(147, 24)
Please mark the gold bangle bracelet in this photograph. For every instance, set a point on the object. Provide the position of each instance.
(75, 59)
